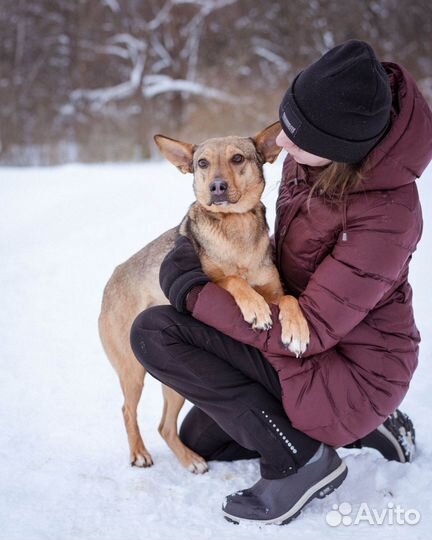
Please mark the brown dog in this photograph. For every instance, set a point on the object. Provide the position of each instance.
(228, 228)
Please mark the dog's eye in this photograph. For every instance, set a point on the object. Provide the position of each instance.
(203, 163)
(237, 158)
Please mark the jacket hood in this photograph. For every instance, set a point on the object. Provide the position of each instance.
(406, 150)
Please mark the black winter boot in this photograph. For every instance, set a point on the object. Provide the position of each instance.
(394, 439)
(281, 500)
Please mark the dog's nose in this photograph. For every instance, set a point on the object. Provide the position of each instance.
(218, 187)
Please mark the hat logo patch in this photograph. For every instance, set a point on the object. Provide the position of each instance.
(291, 128)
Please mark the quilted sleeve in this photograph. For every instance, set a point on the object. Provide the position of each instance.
(345, 286)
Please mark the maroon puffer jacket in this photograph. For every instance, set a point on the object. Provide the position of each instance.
(349, 268)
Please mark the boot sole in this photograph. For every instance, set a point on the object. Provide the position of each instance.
(319, 490)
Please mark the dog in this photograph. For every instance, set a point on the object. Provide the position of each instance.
(228, 228)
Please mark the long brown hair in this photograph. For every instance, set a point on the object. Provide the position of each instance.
(337, 179)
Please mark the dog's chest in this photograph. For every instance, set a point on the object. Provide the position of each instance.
(236, 245)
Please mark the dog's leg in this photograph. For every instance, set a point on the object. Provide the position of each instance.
(132, 386)
(295, 330)
(272, 291)
(254, 308)
(173, 402)
(114, 324)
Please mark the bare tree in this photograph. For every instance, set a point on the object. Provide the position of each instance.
(94, 79)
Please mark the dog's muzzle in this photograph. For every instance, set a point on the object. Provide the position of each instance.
(218, 192)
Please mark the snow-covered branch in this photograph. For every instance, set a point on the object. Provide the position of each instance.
(170, 59)
(134, 50)
(273, 58)
(112, 4)
(160, 17)
(131, 42)
(160, 84)
(207, 5)
(100, 96)
(165, 57)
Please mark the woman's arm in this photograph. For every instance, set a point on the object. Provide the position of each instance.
(347, 284)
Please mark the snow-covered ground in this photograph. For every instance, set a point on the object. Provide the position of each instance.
(64, 471)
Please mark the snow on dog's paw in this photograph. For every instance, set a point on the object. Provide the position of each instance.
(293, 340)
(296, 348)
(294, 344)
(198, 467)
(194, 462)
(141, 459)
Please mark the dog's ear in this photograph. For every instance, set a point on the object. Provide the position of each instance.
(179, 153)
(265, 142)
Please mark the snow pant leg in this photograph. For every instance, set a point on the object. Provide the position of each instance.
(201, 433)
(231, 382)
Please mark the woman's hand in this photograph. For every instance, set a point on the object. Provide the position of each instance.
(180, 272)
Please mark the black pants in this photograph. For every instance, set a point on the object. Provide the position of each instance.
(237, 393)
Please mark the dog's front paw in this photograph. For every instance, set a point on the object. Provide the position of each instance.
(141, 458)
(254, 308)
(192, 461)
(293, 339)
(256, 311)
(295, 330)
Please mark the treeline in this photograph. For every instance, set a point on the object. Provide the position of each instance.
(94, 80)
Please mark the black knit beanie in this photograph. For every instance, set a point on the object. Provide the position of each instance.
(339, 107)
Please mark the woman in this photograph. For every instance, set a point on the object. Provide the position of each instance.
(358, 134)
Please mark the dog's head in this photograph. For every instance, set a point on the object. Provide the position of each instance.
(228, 171)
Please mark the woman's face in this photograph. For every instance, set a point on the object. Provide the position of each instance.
(299, 155)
